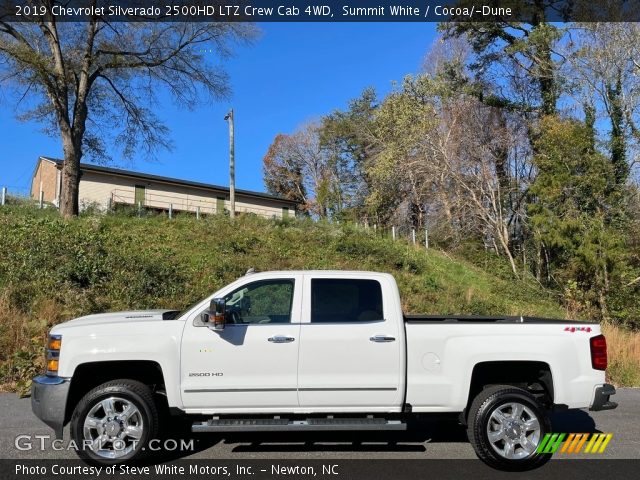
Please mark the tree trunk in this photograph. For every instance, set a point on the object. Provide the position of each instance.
(539, 262)
(546, 74)
(70, 177)
(590, 123)
(618, 136)
(503, 236)
(502, 159)
(547, 263)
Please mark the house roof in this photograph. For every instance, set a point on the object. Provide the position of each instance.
(175, 181)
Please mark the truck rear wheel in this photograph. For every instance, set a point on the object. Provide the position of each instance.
(114, 422)
(505, 426)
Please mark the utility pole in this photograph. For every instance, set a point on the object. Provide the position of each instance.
(232, 165)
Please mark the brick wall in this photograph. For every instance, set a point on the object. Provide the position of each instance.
(47, 173)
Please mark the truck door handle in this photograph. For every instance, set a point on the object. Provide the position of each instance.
(382, 338)
(280, 339)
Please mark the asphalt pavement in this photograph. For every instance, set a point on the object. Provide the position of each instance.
(428, 438)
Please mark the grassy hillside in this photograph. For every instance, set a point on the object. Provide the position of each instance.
(52, 270)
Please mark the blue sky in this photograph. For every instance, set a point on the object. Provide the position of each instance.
(294, 73)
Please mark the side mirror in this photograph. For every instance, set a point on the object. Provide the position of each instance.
(217, 313)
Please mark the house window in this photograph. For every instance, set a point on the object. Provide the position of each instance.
(220, 205)
(139, 194)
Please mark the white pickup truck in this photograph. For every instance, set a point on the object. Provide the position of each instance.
(315, 350)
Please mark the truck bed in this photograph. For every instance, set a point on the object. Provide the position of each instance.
(485, 319)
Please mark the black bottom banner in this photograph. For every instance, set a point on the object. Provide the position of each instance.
(321, 469)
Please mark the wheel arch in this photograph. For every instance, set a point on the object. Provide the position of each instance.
(91, 374)
(534, 376)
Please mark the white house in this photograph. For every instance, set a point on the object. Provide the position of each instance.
(106, 187)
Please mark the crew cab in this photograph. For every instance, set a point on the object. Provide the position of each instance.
(316, 350)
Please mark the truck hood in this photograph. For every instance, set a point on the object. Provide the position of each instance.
(120, 317)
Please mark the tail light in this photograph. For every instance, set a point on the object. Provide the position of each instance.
(598, 352)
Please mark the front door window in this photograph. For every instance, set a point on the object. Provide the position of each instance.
(267, 301)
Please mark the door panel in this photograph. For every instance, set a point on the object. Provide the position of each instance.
(252, 363)
(240, 367)
(340, 365)
(347, 358)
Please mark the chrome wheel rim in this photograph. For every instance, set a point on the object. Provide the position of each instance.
(113, 427)
(513, 431)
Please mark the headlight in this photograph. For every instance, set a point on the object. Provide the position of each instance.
(53, 354)
(55, 342)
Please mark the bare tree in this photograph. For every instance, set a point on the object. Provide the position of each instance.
(604, 64)
(298, 167)
(95, 83)
(469, 145)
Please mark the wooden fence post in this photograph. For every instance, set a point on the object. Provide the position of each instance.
(3, 200)
(393, 232)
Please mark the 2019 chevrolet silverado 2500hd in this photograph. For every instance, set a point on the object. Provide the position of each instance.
(316, 350)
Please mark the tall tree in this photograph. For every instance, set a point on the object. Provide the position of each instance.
(574, 209)
(299, 168)
(442, 153)
(604, 70)
(283, 171)
(349, 136)
(94, 83)
(516, 52)
(404, 177)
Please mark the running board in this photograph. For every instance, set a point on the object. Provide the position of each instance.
(284, 424)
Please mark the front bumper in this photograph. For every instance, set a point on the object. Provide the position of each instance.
(601, 398)
(49, 401)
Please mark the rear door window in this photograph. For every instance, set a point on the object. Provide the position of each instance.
(343, 300)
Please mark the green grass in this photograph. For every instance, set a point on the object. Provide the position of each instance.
(52, 270)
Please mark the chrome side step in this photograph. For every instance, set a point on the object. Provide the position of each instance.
(284, 424)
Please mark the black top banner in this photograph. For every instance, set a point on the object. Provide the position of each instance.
(530, 11)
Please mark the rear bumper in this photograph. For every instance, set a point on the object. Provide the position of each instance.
(601, 398)
(49, 401)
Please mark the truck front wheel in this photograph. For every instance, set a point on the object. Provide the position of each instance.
(114, 422)
(505, 426)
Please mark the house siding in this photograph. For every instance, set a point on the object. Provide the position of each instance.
(99, 189)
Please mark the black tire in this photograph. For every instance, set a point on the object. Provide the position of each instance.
(132, 391)
(483, 406)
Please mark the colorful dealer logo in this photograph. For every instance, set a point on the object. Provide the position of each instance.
(574, 442)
